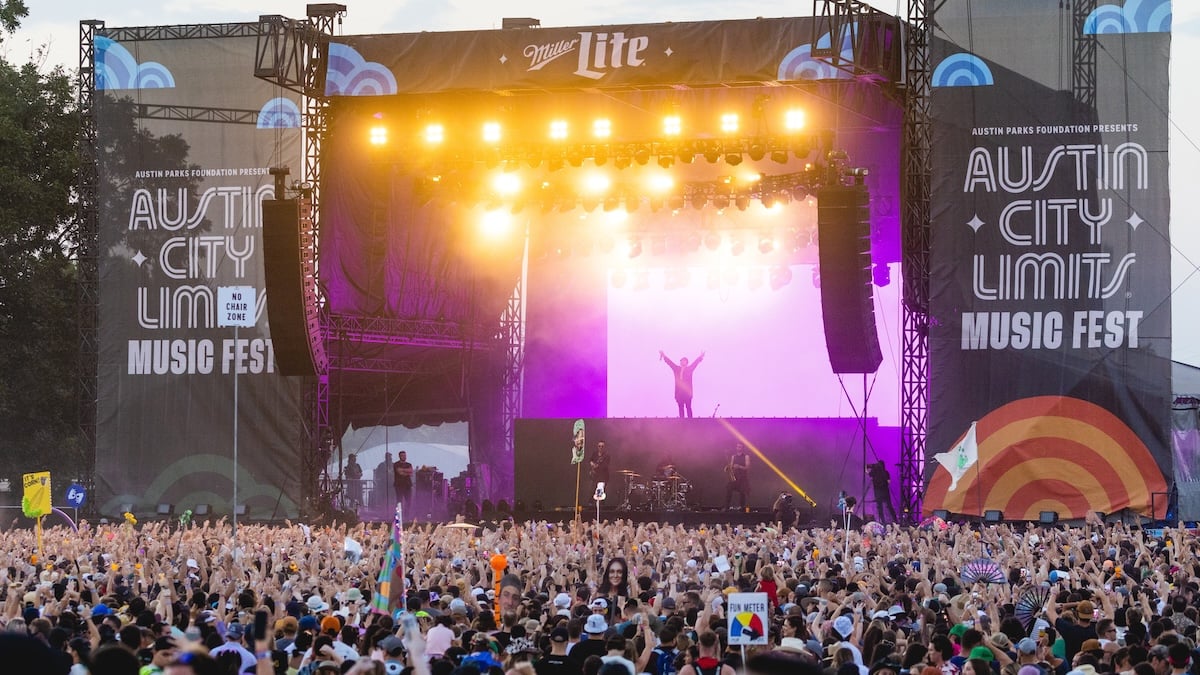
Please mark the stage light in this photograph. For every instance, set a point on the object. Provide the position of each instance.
(672, 125)
(558, 130)
(496, 223)
(712, 241)
(666, 161)
(766, 244)
(781, 276)
(506, 184)
(729, 123)
(554, 164)
(656, 203)
(721, 202)
(793, 120)
(379, 135)
(602, 128)
(600, 155)
(748, 177)
(589, 204)
(434, 134)
(635, 248)
(575, 157)
(712, 155)
(733, 158)
(882, 275)
(612, 203)
(686, 153)
(799, 193)
(597, 183)
(661, 183)
(779, 156)
(742, 202)
(757, 151)
(491, 132)
(642, 155)
(698, 200)
(675, 202)
(622, 161)
(768, 200)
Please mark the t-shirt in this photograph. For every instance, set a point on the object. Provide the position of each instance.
(248, 660)
(399, 479)
(558, 665)
(586, 648)
(1074, 635)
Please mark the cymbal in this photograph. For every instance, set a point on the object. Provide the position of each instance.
(629, 472)
(667, 467)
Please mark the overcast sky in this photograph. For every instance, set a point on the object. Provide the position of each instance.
(53, 26)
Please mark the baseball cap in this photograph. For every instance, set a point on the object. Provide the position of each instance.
(596, 625)
(330, 623)
(599, 603)
(457, 606)
(1090, 645)
(559, 635)
(1085, 610)
(1027, 646)
(843, 626)
(982, 652)
(668, 603)
(391, 644)
(308, 622)
(234, 630)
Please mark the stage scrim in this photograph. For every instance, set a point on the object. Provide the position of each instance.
(1050, 290)
(821, 456)
(180, 225)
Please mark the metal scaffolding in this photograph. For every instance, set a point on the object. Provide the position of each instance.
(1083, 61)
(915, 239)
(87, 250)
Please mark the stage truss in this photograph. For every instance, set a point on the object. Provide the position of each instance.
(292, 54)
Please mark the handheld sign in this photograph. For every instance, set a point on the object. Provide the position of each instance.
(748, 618)
(236, 306)
(76, 495)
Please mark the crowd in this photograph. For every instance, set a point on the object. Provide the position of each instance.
(614, 599)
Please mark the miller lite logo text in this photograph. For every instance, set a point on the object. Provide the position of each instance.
(597, 52)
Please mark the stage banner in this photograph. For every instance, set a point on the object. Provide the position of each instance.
(187, 135)
(1050, 286)
(725, 53)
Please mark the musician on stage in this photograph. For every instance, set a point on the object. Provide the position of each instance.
(402, 479)
(738, 471)
(881, 481)
(683, 381)
(665, 468)
(598, 466)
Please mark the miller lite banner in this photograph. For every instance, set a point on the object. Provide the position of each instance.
(1050, 290)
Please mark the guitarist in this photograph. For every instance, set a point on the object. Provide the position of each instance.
(738, 471)
(598, 467)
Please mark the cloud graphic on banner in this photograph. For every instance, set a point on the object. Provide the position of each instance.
(279, 113)
(117, 69)
(962, 70)
(1137, 16)
(349, 74)
(1050, 453)
(799, 63)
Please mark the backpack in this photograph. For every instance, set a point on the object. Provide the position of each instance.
(715, 670)
(664, 661)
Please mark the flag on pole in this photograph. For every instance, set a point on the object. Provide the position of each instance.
(960, 458)
(577, 450)
(393, 568)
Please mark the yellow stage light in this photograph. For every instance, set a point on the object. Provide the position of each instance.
(729, 123)
(794, 120)
(379, 135)
(614, 218)
(602, 128)
(597, 183)
(672, 125)
(558, 130)
(491, 132)
(661, 183)
(434, 134)
(506, 184)
(496, 223)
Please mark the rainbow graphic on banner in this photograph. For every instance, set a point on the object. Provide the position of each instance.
(746, 626)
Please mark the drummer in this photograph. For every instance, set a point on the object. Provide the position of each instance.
(666, 468)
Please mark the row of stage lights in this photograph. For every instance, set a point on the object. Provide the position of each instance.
(597, 189)
(730, 144)
(559, 130)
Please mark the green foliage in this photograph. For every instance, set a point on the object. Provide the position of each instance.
(39, 350)
(11, 13)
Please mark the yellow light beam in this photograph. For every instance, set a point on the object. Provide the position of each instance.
(771, 465)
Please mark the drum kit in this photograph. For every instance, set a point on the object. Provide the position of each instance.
(666, 491)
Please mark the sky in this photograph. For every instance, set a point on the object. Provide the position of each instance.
(50, 35)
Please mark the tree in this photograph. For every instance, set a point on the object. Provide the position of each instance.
(38, 330)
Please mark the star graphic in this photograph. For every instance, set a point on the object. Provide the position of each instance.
(1134, 220)
(503, 59)
(138, 258)
(975, 223)
(669, 51)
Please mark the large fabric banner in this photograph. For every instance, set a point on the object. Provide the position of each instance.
(1050, 313)
(187, 136)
